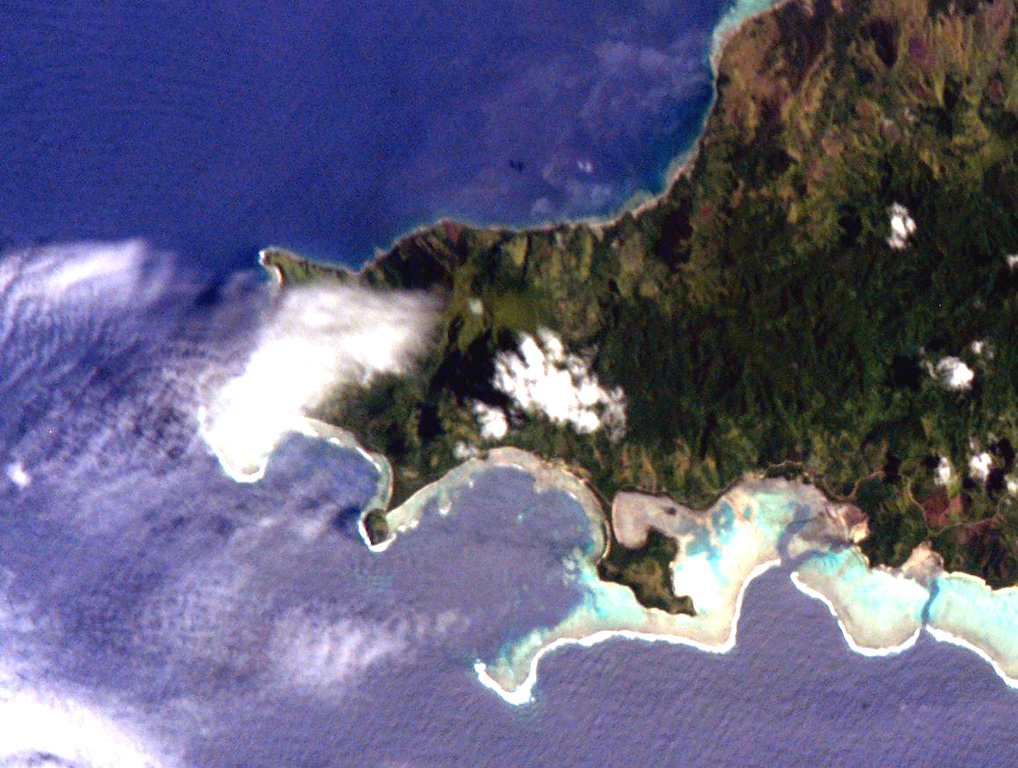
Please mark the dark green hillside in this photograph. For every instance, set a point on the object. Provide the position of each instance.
(756, 316)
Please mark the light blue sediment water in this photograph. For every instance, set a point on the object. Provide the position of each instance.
(968, 610)
(879, 610)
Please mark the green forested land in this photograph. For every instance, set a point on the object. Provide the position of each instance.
(754, 314)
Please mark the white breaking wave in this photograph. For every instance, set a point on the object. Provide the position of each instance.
(318, 340)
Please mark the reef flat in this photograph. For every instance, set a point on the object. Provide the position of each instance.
(826, 292)
(754, 527)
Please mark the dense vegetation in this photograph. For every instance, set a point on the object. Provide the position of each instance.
(755, 315)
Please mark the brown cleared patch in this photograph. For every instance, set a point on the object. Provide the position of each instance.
(935, 508)
(991, 553)
(452, 231)
(995, 91)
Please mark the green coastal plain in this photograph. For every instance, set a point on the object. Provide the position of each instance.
(756, 315)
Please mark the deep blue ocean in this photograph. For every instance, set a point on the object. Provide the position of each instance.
(155, 613)
(332, 127)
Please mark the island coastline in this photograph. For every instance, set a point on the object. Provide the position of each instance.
(407, 514)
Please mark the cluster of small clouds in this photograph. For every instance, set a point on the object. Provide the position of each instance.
(981, 464)
(541, 377)
(903, 226)
(634, 81)
(576, 197)
(604, 97)
(953, 373)
(318, 339)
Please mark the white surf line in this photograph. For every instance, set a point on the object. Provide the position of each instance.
(524, 693)
(862, 650)
(943, 636)
(272, 269)
(940, 635)
(962, 576)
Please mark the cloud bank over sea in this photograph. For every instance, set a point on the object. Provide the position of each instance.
(315, 341)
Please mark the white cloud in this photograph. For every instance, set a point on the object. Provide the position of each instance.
(96, 263)
(463, 451)
(17, 474)
(492, 421)
(954, 374)
(943, 471)
(1012, 261)
(903, 226)
(70, 276)
(979, 466)
(312, 652)
(542, 376)
(317, 340)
